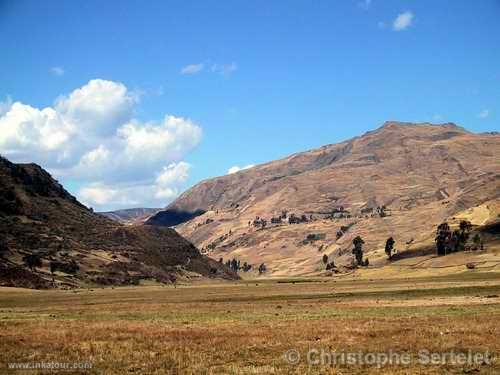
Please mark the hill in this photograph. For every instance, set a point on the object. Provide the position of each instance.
(131, 215)
(42, 223)
(400, 180)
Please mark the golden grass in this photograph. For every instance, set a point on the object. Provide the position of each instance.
(245, 327)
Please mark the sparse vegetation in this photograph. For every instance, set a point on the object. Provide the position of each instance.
(32, 261)
(443, 236)
(389, 247)
(262, 269)
(448, 241)
(205, 328)
(358, 250)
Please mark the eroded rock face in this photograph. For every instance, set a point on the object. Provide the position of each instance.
(39, 217)
(421, 174)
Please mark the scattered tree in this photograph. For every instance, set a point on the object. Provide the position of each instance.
(262, 269)
(477, 241)
(330, 266)
(32, 261)
(3, 248)
(358, 249)
(325, 259)
(443, 238)
(246, 267)
(389, 245)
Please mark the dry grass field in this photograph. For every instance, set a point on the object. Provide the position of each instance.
(246, 327)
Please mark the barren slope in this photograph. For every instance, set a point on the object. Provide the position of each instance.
(422, 173)
(37, 216)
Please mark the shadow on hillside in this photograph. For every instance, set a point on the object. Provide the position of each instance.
(413, 253)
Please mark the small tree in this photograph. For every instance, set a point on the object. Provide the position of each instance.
(262, 269)
(53, 267)
(389, 245)
(465, 226)
(358, 249)
(443, 238)
(32, 261)
(325, 259)
(246, 267)
(477, 241)
(3, 248)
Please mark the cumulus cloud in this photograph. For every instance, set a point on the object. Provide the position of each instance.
(236, 168)
(164, 188)
(403, 21)
(484, 113)
(192, 68)
(57, 71)
(91, 137)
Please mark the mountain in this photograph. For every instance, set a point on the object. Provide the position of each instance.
(131, 215)
(400, 180)
(41, 221)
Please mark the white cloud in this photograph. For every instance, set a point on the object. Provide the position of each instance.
(403, 21)
(164, 188)
(224, 69)
(91, 137)
(57, 71)
(236, 168)
(167, 182)
(99, 106)
(192, 68)
(484, 113)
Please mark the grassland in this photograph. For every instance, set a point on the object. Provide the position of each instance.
(246, 327)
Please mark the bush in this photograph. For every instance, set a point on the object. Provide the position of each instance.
(66, 267)
(32, 261)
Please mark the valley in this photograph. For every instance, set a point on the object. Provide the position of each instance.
(248, 327)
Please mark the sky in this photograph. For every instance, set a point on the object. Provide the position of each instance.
(129, 103)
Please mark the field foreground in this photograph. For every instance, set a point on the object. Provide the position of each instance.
(257, 327)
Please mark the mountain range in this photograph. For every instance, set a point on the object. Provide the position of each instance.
(400, 180)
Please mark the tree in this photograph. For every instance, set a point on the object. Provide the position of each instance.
(358, 249)
(53, 267)
(246, 267)
(325, 259)
(234, 265)
(465, 226)
(3, 248)
(32, 261)
(477, 241)
(443, 238)
(262, 269)
(389, 245)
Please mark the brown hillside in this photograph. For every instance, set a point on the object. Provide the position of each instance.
(131, 215)
(422, 174)
(37, 216)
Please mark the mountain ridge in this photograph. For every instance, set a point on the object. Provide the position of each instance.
(71, 246)
(408, 168)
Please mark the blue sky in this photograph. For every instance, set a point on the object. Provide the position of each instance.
(259, 79)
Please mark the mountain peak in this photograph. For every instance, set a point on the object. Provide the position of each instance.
(391, 124)
(399, 124)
